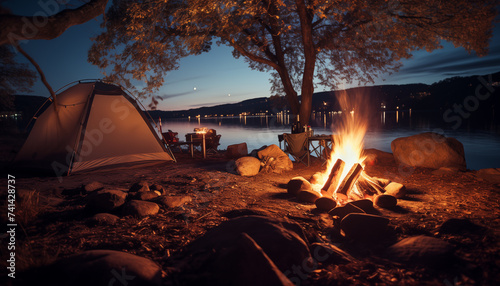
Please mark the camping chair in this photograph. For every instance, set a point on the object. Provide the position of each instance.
(212, 143)
(297, 145)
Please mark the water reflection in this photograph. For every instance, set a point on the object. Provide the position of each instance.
(481, 139)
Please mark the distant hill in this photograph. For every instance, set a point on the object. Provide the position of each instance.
(446, 94)
(460, 94)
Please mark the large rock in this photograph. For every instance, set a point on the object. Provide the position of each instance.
(237, 150)
(93, 186)
(142, 186)
(105, 201)
(140, 208)
(284, 242)
(430, 150)
(422, 250)
(271, 151)
(247, 166)
(98, 267)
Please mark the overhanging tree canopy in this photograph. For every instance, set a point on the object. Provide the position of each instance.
(301, 42)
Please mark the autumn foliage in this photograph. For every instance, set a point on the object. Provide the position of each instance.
(302, 43)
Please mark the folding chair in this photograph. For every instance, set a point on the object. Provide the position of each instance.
(297, 145)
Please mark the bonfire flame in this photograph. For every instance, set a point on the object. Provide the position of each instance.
(348, 143)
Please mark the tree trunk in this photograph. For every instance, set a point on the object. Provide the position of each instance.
(309, 63)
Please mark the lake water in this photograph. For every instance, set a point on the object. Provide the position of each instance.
(481, 140)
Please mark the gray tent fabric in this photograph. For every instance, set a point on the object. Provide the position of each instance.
(95, 125)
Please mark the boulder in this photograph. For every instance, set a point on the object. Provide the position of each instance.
(173, 201)
(385, 201)
(276, 237)
(364, 227)
(325, 203)
(247, 166)
(105, 201)
(297, 184)
(429, 150)
(93, 186)
(377, 157)
(140, 208)
(99, 267)
(423, 250)
(103, 219)
(395, 189)
(236, 151)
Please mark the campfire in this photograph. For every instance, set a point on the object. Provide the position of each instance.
(344, 180)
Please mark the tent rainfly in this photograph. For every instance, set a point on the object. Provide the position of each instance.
(94, 125)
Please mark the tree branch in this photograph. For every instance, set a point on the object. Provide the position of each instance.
(39, 70)
(15, 28)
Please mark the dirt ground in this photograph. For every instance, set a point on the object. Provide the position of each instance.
(55, 225)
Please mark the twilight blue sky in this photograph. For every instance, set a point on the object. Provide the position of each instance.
(216, 77)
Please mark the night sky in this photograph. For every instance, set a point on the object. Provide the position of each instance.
(216, 77)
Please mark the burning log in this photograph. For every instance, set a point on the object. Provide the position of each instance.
(348, 182)
(333, 178)
(368, 186)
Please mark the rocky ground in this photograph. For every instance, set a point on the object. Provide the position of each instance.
(447, 227)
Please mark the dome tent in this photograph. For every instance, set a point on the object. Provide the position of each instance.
(95, 125)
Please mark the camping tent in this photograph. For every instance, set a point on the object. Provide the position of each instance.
(94, 125)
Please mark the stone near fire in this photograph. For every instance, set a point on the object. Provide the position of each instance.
(173, 201)
(381, 181)
(105, 201)
(103, 219)
(423, 250)
(325, 204)
(283, 241)
(430, 150)
(140, 208)
(141, 186)
(247, 166)
(377, 157)
(395, 189)
(361, 226)
(236, 151)
(100, 267)
(308, 196)
(341, 212)
(297, 184)
(93, 186)
(385, 201)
